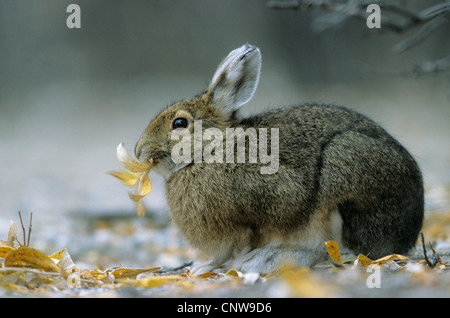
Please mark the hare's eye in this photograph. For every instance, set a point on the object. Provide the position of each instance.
(180, 122)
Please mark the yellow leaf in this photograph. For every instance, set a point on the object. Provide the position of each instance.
(145, 185)
(301, 283)
(364, 260)
(140, 209)
(333, 251)
(86, 274)
(392, 257)
(189, 274)
(136, 176)
(64, 261)
(208, 275)
(96, 273)
(128, 178)
(58, 255)
(156, 281)
(129, 162)
(4, 250)
(135, 197)
(233, 273)
(28, 257)
(132, 273)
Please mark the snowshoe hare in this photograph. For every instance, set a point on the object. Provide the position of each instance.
(335, 175)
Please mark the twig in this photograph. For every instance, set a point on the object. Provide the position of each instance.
(29, 229)
(26, 240)
(434, 259)
(352, 8)
(421, 34)
(424, 250)
(336, 264)
(435, 10)
(23, 229)
(288, 4)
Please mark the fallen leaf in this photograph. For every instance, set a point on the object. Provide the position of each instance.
(58, 255)
(12, 233)
(4, 250)
(334, 252)
(156, 281)
(392, 257)
(364, 261)
(132, 273)
(29, 257)
(301, 283)
(86, 274)
(208, 275)
(64, 261)
(234, 273)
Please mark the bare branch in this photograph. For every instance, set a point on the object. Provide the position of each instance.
(421, 34)
(435, 10)
(23, 229)
(29, 229)
(288, 4)
(394, 17)
(357, 8)
(26, 241)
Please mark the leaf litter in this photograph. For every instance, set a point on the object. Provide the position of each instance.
(28, 271)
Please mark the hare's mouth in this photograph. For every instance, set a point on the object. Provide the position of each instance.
(166, 167)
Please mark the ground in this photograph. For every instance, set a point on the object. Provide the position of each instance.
(111, 240)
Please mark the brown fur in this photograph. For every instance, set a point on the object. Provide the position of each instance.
(333, 162)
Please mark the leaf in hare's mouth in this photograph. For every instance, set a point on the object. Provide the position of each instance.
(135, 175)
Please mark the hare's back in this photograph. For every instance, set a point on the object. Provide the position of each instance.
(313, 121)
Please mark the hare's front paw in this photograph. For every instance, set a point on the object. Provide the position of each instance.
(201, 268)
(269, 258)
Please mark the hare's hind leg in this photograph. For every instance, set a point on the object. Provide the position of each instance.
(377, 188)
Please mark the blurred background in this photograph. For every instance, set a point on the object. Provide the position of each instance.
(68, 97)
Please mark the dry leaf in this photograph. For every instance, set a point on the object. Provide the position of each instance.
(136, 176)
(12, 233)
(129, 163)
(392, 257)
(29, 257)
(301, 283)
(189, 274)
(156, 281)
(140, 209)
(128, 178)
(363, 260)
(58, 255)
(234, 273)
(4, 250)
(132, 273)
(333, 251)
(208, 275)
(64, 261)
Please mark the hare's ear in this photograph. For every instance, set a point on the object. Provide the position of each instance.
(236, 78)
